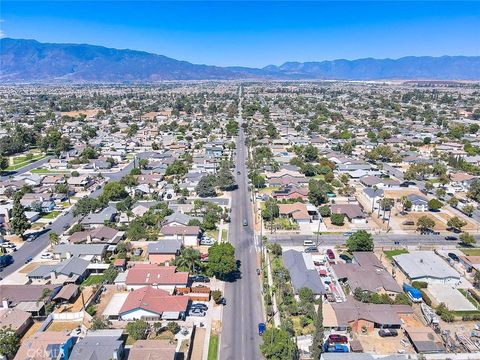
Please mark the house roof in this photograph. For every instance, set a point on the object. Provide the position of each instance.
(417, 199)
(382, 314)
(149, 274)
(69, 267)
(352, 211)
(459, 177)
(152, 350)
(47, 342)
(78, 250)
(13, 318)
(96, 347)
(296, 210)
(100, 217)
(67, 292)
(178, 217)
(371, 193)
(102, 233)
(23, 293)
(180, 230)
(164, 247)
(299, 273)
(421, 264)
(154, 300)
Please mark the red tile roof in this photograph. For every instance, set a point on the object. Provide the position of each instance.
(154, 300)
(149, 274)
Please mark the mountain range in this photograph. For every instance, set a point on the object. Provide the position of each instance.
(31, 61)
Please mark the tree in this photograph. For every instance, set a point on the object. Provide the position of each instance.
(271, 210)
(337, 219)
(110, 274)
(216, 295)
(324, 211)
(206, 186)
(468, 209)
(99, 324)
(474, 190)
(113, 191)
(137, 329)
(434, 205)
(3, 163)
(221, 260)
(317, 192)
(424, 223)
(19, 220)
(361, 240)
(85, 206)
(225, 179)
(173, 327)
(54, 238)
(453, 202)
(277, 345)
(178, 168)
(467, 239)
(9, 342)
(318, 336)
(189, 258)
(456, 223)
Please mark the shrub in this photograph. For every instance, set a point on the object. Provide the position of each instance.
(425, 298)
(91, 310)
(419, 285)
(173, 327)
(337, 219)
(324, 211)
(216, 295)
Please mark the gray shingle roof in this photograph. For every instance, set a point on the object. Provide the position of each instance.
(164, 247)
(300, 275)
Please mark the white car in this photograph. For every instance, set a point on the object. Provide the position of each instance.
(207, 241)
(47, 256)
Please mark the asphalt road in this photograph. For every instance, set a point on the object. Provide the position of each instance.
(380, 240)
(239, 337)
(32, 249)
(7, 174)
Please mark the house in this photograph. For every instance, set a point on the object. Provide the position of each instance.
(99, 344)
(290, 192)
(150, 303)
(373, 196)
(68, 293)
(89, 252)
(419, 203)
(161, 277)
(73, 270)
(353, 212)
(163, 251)
(79, 183)
(296, 211)
(102, 217)
(461, 179)
(154, 350)
(177, 219)
(30, 298)
(46, 345)
(426, 266)
(102, 234)
(370, 181)
(188, 235)
(301, 275)
(367, 273)
(424, 340)
(365, 316)
(15, 319)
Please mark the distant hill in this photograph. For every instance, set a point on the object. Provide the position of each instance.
(32, 61)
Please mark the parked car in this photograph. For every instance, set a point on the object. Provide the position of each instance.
(451, 238)
(330, 254)
(245, 222)
(348, 233)
(222, 301)
(345, 258)
(66, 226)
(387, 332)
(261, 328)
(137, 252)
(28, 259)
(308, 243)
(31, 237)
(238, 172)
(199, 306)
(207, 241)
(200, 278)
(408, 222)
(310, 249)
(47, 255)
(453, 256)
(197, 312)
(337, 339)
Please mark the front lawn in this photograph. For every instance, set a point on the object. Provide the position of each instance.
(471, 252)
(391, 253)
(51, 215)
(224, 235)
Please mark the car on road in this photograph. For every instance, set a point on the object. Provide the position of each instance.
(221, 301)
(200, 306)
(308, 243)
(451, 238)
(261, 328)
(47, 255)
(200, 278)
(345, 258)
(310, 249)
(408, 222)
(197, 312)
(238, 172)
(66, 226)
(245, 222)
(348, 233)
(453, 256)
(207, 241)
(387, 332)
(28, 259)
(31, 237)
(330, 254)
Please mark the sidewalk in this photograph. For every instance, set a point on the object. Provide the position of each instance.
(276, 317)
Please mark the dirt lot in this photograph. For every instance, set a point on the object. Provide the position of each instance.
(105, 299)
(32, 330)
(78, 304)
(440, 224)
(373, 343)
(63, 325)
(88, 112)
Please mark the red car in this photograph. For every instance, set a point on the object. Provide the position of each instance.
(330, 254)
(337, 339)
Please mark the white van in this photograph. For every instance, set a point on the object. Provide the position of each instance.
(308, 243)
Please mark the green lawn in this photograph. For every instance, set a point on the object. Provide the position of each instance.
(391, 253)
(470, 298)
(471, 252)
(51, 215)
(212, 233)
(93, 279)
(213, 347)
(224, 235)
(47, 171)
(21, 161)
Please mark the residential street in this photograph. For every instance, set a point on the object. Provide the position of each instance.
(239, 336)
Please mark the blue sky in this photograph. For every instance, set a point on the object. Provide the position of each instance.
(253, 33)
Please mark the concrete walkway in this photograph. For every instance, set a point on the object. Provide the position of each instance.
(276, 317)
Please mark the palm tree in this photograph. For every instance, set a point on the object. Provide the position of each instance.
(189, 258)
(54, 238)
(375, 188)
